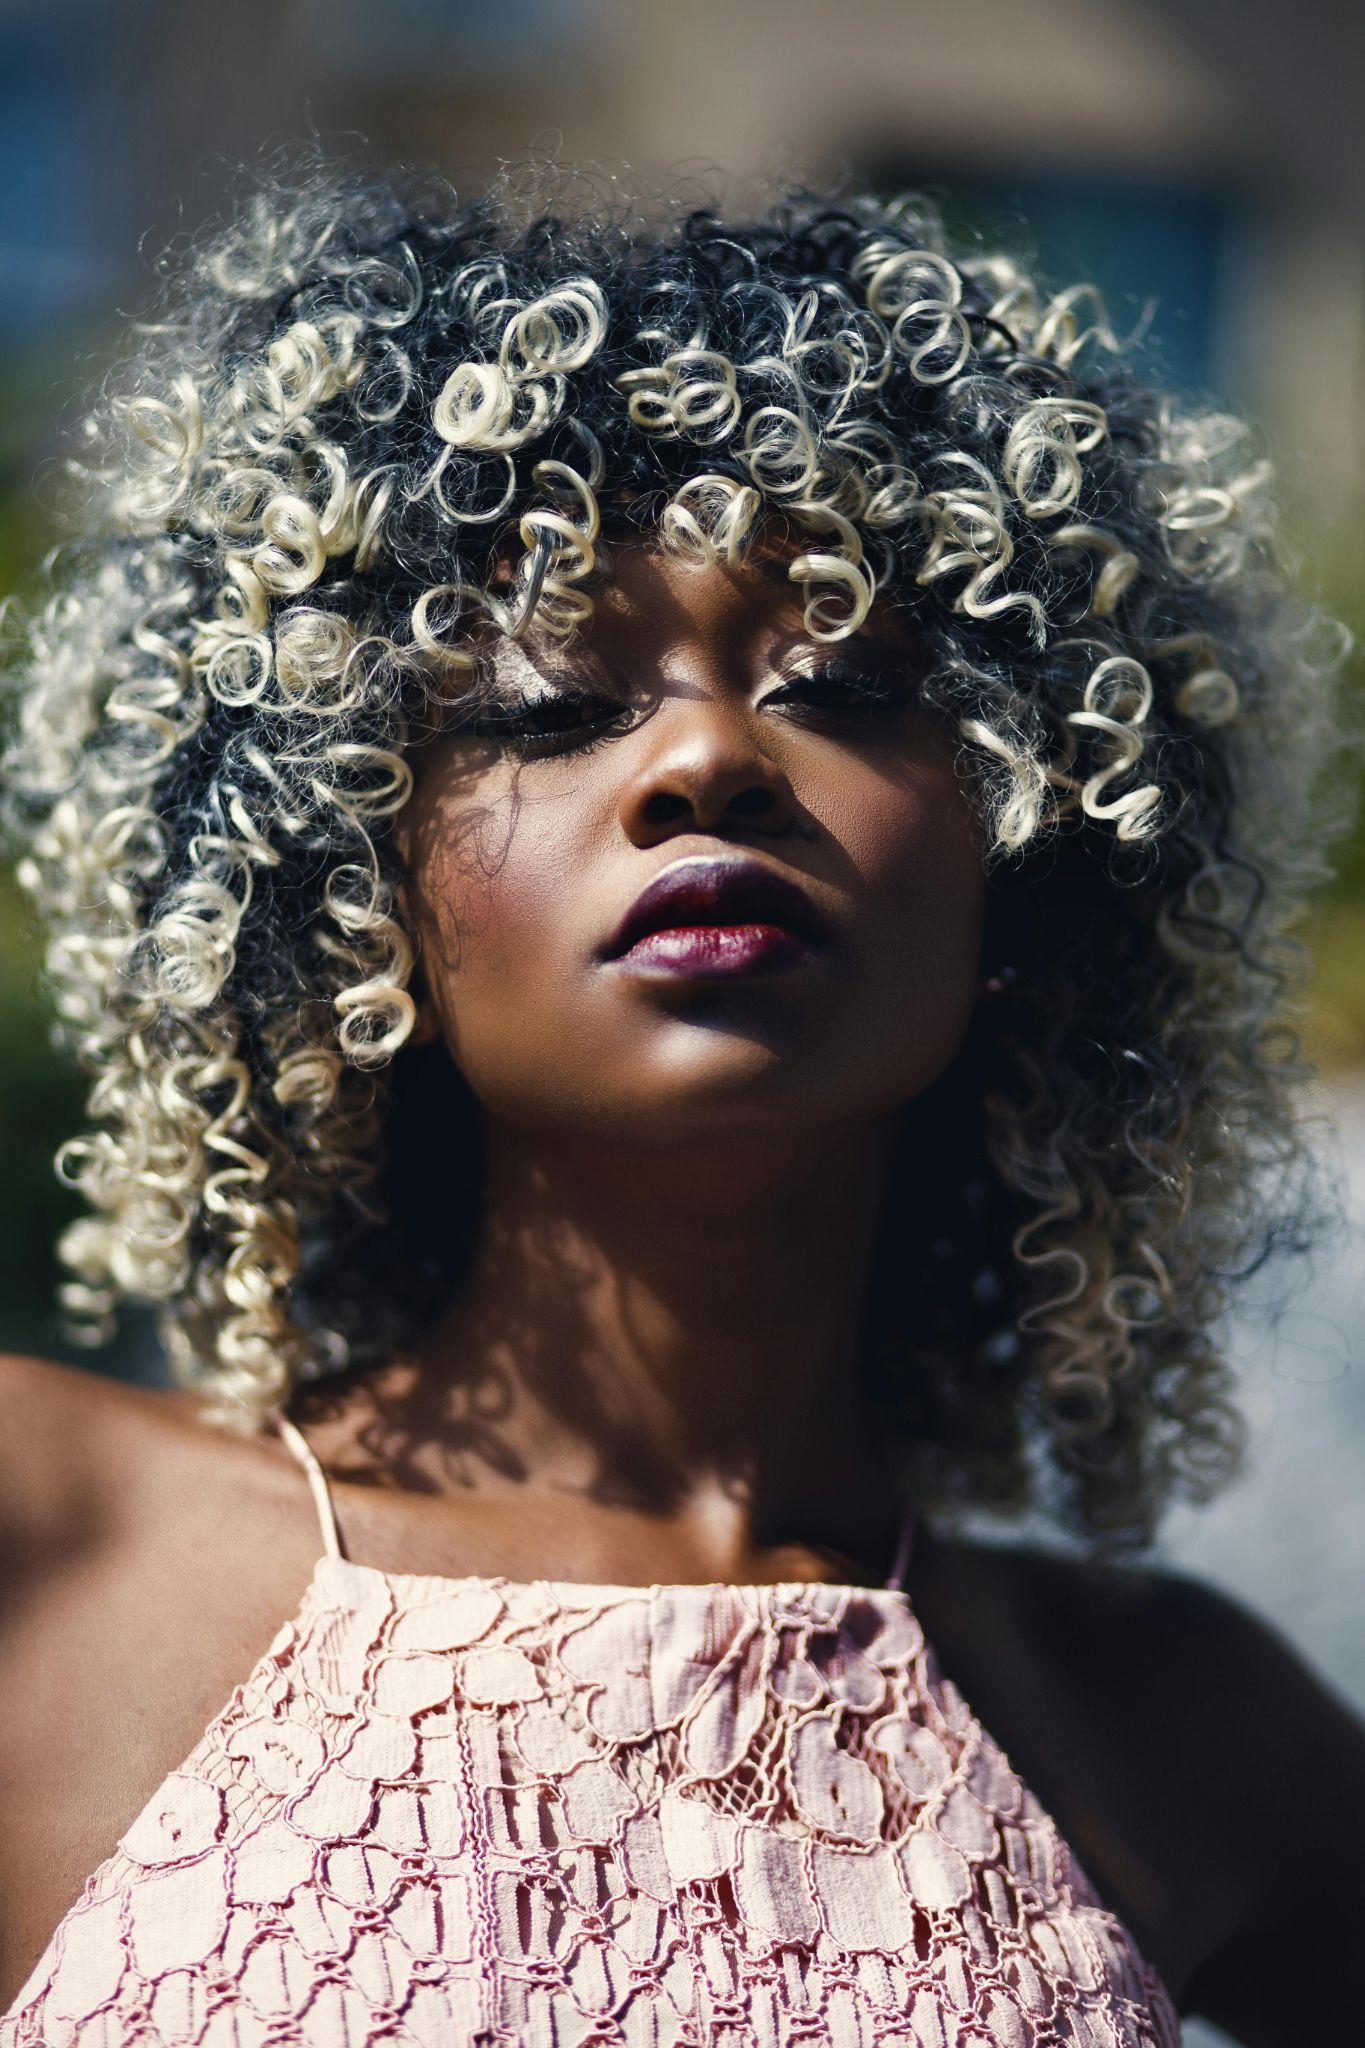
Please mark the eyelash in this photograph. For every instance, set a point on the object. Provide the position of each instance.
(861, 695)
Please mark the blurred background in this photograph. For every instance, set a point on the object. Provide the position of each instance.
(1203, 154)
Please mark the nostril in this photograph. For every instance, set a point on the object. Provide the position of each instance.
(673, 795)
(665, 806)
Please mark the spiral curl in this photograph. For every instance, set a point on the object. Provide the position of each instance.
(301, 493)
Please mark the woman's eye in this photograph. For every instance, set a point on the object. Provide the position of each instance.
(842, 690)
(568, 722)
(572, 721)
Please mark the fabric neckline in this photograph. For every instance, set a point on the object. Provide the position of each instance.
(328, 1565)
(334, 1550)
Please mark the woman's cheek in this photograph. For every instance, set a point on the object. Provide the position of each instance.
(916, 850)
(505, 904)
(914, 842)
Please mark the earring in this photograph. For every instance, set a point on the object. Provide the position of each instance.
(998, 982)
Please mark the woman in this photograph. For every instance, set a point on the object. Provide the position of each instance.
(669, 854)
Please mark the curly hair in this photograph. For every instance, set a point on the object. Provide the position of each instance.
(298, 496)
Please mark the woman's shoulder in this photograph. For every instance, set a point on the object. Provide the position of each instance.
(53, 1450)
(1272, 1764)
(146, 1560)
(81, 1453)
(1183, 1655)
(1227, 1769)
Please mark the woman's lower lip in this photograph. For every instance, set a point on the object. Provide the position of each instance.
(715, 950)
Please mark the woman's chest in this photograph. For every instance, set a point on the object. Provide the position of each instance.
(445, 1804)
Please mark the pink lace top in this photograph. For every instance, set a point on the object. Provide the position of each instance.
(469, 1811)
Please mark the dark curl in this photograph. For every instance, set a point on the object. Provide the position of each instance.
(300, 495)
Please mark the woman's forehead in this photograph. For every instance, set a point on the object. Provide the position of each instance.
(645, 593)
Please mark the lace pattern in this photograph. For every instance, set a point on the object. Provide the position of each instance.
(449, 1811)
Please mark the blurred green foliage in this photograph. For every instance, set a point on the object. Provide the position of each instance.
(40, 1103)
(41, 1095)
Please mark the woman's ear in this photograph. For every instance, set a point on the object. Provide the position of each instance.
(402, 842)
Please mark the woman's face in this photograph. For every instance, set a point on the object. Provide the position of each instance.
(696, 733)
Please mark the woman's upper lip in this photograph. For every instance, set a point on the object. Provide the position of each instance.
(703, 889)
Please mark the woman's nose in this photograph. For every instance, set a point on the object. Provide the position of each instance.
(704, 771)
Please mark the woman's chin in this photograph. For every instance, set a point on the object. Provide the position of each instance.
(741, 1090)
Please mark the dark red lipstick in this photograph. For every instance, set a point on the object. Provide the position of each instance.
(710, 918)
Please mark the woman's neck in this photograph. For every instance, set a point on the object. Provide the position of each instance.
(668, 1332)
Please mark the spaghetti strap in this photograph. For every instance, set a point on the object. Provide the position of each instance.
(902, 1561)
(298, 1443)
